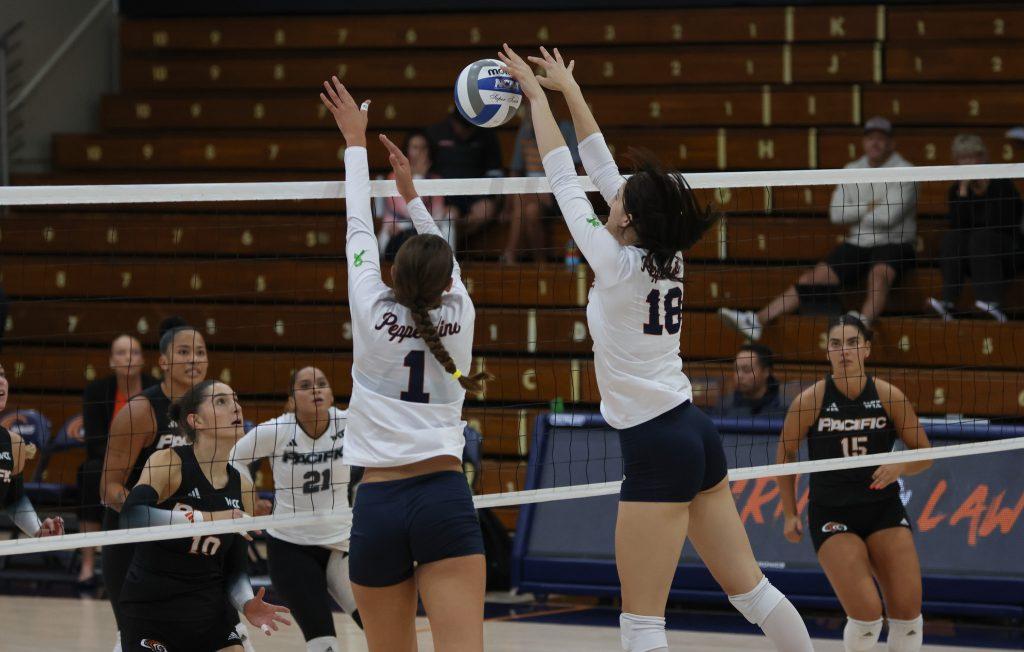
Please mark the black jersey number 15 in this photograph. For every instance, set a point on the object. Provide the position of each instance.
(853, 446)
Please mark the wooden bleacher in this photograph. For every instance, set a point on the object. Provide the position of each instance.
(235, 99)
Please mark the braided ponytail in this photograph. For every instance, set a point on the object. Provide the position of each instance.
(423, 268)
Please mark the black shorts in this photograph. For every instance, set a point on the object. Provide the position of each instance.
(463, 203)
(299, 574)
(116, 560)
(143, 635)
(400, 523)
(672, 457)
(852, 263)
(865, 519)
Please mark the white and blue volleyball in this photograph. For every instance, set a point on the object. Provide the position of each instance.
(486, 95)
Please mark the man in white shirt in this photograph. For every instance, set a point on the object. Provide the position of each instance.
(879, 247)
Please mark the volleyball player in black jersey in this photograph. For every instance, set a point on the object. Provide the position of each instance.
(184, 594)
(857, 521)
(139, 429)
(14, 453)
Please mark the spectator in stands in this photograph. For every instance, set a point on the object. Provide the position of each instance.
(984, 231)
(757, 392)
(4, 307)
(878, 247)
(526, 211)
(464, 151)
(396, 226)
(102, 399)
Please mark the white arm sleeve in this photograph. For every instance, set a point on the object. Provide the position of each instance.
(424, 223)
(362, 255)
(603, 252)
(258, 443)
(600, 166)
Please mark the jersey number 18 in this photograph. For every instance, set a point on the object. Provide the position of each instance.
(673, 312)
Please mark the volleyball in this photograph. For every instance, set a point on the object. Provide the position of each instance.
(486, 95)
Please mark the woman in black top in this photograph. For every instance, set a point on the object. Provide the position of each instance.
(101, 401)
(857, 521)
(984, 234)
(139, 429)
(14, 453)
(184, 594)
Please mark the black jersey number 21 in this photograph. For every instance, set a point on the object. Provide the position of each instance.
(316, 481)
(673, 312)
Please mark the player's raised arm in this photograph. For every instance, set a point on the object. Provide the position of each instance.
(361, 249)
(594, 153)
(598, 244)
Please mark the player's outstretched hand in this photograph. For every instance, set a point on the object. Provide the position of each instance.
(557, 76)
(793, 529)
(264, 615)
(402, 169)
(522, 73)
(350, 117)
(51, 527)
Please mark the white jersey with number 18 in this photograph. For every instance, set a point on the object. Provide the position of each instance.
(634, 320)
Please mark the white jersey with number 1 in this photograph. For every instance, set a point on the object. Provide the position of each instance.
(405, 407)
(634, 320)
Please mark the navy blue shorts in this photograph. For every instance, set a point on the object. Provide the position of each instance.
(672, 457)
(400, 523)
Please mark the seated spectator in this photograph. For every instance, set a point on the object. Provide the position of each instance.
(757, 390)
(396, 226)
(879, 246)
(462, 150)
(526, 211)
(984, 227)
(101, 400)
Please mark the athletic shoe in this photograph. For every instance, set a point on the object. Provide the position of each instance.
(943, 309)
(744, 321)
(992, 310)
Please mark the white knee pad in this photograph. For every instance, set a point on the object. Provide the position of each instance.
(905, 635)
(323, 644)
(642, 633)
(757, 604)
(861, 635)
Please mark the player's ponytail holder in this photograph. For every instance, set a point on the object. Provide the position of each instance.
(457, 374)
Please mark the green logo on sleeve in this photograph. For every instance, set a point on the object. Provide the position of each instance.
(359, 258)
(594, 222)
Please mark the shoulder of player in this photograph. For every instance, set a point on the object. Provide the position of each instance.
(280, 428)
(811, 397)
(338, 415)
(887, 392)
(164, 458)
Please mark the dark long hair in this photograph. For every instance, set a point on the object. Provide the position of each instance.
(423, 267)
(850, 320)
(666, 215)
(187, 404)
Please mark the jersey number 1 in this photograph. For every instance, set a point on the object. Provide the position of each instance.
(417, 362)
(673, 312)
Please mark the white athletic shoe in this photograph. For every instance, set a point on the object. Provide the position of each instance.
(744, 321)
(943, 309)
(992, 310)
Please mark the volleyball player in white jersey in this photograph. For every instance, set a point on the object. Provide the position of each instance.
(414, 525)
(308, 564)
(675, 471)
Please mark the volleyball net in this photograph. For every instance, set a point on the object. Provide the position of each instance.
(259, 270)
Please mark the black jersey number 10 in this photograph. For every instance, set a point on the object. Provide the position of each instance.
(673, 312)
